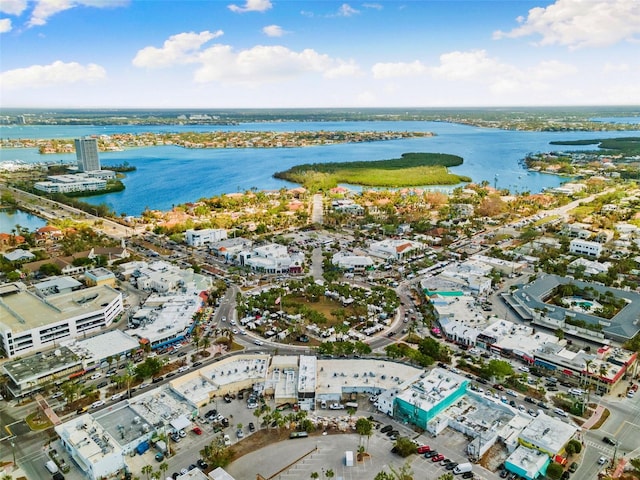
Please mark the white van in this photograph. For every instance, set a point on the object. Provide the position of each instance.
(51, 466)
(463, 468)
(576, 392)
(560, 412)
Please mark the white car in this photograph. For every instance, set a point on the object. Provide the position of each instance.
(602, 460)
(97, 404)
(258, 342)
(116, 396)
(226, 440)
(524, 369)
(95, 376)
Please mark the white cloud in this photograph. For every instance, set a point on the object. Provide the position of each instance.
(343, 69)
(47, 8)
(178, 49)
(273, 31)
(56, 73)
(615, 68)
(13, 7)
(5, 25)
(347, 10)
(467, 65)
(375, 6)
(265, 64)
(477, 67)
(251, 6)
(579, 23)
(400, 69)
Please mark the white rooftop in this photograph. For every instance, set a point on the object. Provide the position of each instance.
(108, 344)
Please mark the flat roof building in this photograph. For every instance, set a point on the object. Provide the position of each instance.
(198, 238)
(427, 396)
(30, 373)
(29, 323)
(92, 448)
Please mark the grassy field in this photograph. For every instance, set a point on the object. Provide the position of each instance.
(411, 169)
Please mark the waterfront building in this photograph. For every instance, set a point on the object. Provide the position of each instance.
(29, 323)
(87, 154)
(70, 183)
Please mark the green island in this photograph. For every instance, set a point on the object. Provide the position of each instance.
(627, 146)
(411, 169)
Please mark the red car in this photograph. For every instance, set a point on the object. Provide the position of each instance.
(424, 448)
(437, 458)
(197, 430)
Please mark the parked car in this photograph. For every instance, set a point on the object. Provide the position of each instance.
(431, 454)
(424, 449)
(197, 430)
(467, 475)
(437, 458)
(386, 428)
(573, 467)
(252, 427)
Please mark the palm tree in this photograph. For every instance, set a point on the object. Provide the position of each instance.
(70, 391)
(206, 342)
(147, 470)
(329, 473)
(164, 466)
(314, 475)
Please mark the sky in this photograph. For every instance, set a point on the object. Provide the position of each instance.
(322, 54)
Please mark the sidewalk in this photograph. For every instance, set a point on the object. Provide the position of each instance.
(594, 418)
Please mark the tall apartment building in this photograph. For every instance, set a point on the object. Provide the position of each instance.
(87, 154)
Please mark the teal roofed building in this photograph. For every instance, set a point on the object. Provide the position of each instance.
(428, 396)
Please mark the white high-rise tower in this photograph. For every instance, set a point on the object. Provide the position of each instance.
(87, 154)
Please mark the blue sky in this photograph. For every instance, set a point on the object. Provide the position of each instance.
(294, 53)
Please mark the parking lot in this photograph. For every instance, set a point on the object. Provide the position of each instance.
(327, 452)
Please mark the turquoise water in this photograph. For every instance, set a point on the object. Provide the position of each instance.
(170, 175)
(10, 218)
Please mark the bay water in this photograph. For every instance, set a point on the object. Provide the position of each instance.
(171, 175)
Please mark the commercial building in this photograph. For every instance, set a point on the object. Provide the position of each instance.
(585, 247)
(272, 258)
(352, 262)
(30, 373)
(29, 323)
(395, 249)
(100, 276)
(421, 400)
(198, 238)
(71, 183)
(165, 319)
(531, 303)
(93, 448)
(87, 154)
